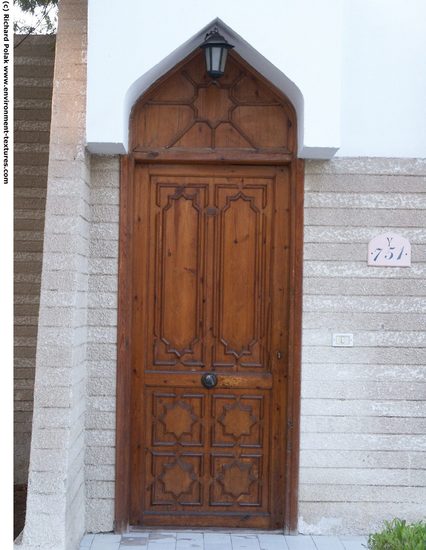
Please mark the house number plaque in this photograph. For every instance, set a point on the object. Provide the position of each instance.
(389, 250)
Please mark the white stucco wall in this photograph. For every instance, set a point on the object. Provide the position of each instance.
(269, 38)
(354, 70)
(383, 78)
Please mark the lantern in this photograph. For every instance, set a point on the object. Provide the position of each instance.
(216, 51)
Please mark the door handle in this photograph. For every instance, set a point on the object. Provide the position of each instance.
(209, 380)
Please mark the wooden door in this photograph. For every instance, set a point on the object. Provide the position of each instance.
(210, 293)
(210, 282)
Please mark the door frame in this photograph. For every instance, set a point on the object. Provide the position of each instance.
(123, 401)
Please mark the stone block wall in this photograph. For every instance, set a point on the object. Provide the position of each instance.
(34, 60)
(363, 449)
(102, 344)
(56, 486)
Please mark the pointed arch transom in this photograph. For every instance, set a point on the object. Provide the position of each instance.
(187, 110)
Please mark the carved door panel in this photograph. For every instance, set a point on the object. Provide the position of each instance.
(210, 250)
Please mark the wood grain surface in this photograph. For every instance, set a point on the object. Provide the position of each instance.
(210, 282)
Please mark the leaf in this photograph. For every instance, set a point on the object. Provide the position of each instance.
(398, 535)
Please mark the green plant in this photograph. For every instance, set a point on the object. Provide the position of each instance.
(398, 535)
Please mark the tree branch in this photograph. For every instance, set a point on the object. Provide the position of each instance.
(42, 17)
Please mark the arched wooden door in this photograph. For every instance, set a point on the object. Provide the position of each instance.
(208, 385)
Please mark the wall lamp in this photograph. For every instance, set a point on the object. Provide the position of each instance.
(216, 51)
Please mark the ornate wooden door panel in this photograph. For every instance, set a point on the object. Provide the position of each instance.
(210, 283)
(210, 280)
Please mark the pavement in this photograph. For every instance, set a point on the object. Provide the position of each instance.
(219, 540)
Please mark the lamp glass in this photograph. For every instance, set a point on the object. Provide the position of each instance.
(216, 52)
(224, 52)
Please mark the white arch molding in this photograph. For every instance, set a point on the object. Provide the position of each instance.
(107, 132)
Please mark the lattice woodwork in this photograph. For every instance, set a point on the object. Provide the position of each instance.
(189, 110)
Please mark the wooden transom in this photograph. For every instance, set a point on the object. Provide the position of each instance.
(187, 110)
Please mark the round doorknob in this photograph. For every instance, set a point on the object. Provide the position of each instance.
(209, 380)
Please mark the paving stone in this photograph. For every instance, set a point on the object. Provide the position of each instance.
(109, 538)
(157, 535)
(104, 545)
(217, 546)
(272, 542)
(134, 544)
(327, 543)
(158, 545)
(86, 541)
(217, 538)
(354, 542)
(245, 542)
(129, 540)
(190, 536)
(190, 540)
(162, 540)
(300, 542)
(217, 541)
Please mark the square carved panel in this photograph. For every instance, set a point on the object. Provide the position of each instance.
(175, 479)
(238, 420)
(236, 481)
(177, 418)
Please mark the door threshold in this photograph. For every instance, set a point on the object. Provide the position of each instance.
(234, 530)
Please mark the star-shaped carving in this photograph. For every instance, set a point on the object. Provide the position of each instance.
(213, 105)
(178, 419)
(177, 478)
(237, 420)
(236, 478)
